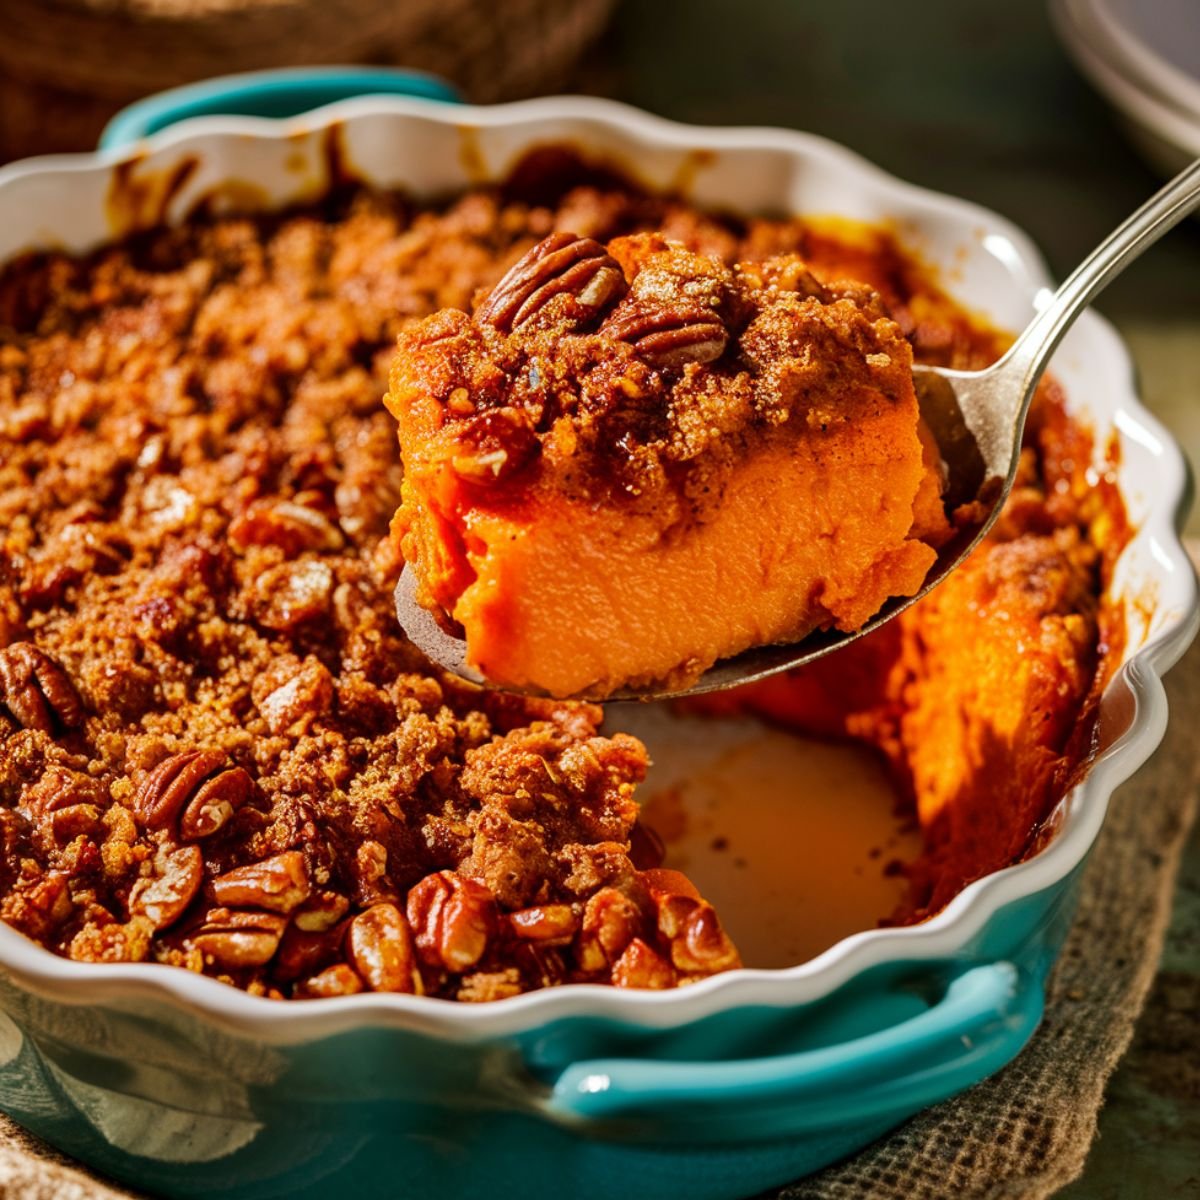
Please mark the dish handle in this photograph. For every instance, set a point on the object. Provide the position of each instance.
(983, 1018)
(285, 92)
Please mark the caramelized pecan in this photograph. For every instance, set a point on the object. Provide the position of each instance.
(199, 790)
(277, 884)
(702, 946)
(321, 911)
(163, 897)
(36, 690)
(560, 265)
(291, 694)
(699, 945)
(379, 946)
(610, 922)
(214, 802)
(237, 940)
(452, 918)
(57, 793)
(304, 953)
(546, 924)
(292, 594)
(669, 336)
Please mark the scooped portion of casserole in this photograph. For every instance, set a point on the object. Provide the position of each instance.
(634, 460)
(218, 751)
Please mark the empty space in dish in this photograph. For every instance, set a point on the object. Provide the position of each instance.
(796, 841)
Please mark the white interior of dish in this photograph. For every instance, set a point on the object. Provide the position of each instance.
(432, 149)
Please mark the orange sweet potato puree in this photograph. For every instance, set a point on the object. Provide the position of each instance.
(573, 597)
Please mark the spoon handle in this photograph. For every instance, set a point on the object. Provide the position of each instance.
(1163, 211)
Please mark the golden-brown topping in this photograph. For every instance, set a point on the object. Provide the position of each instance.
(648, 395)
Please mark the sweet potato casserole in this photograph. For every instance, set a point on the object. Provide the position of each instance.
(217, 749)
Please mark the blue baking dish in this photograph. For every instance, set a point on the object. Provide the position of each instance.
(187, 1088)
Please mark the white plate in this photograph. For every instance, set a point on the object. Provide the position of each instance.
(1157, 103)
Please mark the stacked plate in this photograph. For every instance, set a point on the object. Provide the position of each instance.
(1143, 56)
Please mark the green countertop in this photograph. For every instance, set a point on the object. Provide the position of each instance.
(980, 101)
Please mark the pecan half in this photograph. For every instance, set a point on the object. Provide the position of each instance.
(560, 265)
(546, 924)
(198, 789)
(379, 946)
(292, 594)
(702, 946)
(291, 694)
(164, 897)
(277, 884)
(452, 918)
(237, 940)
(322, 911)
(36, 690)
(690, 926)
(671, 335)
(610, 922)
(214, 803)
(59, 789)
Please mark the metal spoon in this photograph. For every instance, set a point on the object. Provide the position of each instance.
(977, 418)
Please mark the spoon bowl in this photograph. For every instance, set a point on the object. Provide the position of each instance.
(977, 419)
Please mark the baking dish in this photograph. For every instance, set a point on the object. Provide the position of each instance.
(190, 1088)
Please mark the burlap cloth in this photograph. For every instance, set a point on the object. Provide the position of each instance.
(1022, 1134)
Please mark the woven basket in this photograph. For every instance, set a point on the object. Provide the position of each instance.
(67, 65)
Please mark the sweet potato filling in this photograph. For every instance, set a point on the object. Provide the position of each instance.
(612, 483)
(218, 752)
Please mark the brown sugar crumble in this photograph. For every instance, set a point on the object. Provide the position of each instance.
(217, 750)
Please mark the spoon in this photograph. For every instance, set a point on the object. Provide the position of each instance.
(977, 419)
